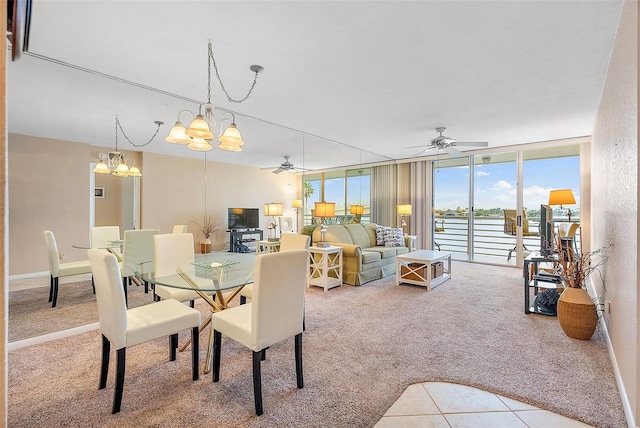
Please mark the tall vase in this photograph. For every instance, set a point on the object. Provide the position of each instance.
(205, 246)
(577, 313)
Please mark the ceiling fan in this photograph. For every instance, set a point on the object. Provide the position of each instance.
(285, 166)
(442, 142)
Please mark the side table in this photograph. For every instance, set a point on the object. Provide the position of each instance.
(325, 267)
(266, 247)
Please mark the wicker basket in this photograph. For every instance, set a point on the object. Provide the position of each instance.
(577, 314)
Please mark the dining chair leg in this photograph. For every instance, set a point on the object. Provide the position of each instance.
(298, 346)
(263, 354)
(173, 346)
(257, 381)
(146, 287)
(243, 300)
(120, 364)
(104, 365)
(93, 285)
(195, 352)
(51, 288)
(54, 299)
(217, 344)
(124, 287)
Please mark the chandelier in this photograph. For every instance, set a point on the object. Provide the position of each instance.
(200, 131)
(114, 162)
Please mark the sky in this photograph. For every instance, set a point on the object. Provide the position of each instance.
(495, 184)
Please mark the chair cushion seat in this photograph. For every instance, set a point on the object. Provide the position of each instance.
(182, 294)
(247, 291)
(236, 323)
(74, 268)
(159, 319)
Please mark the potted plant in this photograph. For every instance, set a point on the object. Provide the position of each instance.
(576, 309)
(206, 229)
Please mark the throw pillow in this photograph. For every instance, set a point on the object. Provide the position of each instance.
(393, 237)
(379, 235)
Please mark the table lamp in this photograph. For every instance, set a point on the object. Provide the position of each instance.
(403, 211)
(357, 210)
(272, 209)
(560, 197)
(323, 210)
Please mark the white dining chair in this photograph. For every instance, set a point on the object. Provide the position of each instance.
(172, 251)
(288, 242)
(138, 254)
(58, 270)
(179, 228)
(275, 314)
(102, 236)
(125, 328)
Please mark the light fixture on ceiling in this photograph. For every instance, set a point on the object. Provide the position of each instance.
(114, 162)
(202, 127)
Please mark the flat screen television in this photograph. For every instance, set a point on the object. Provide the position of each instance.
(546, 230)
(243, 218)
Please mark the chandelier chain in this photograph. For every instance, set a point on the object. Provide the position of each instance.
(215, 67)
(118, 126)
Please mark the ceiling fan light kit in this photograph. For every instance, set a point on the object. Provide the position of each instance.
(203, 126)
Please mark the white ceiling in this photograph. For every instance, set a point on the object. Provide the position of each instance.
(340, 75)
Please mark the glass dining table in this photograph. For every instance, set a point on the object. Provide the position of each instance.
(219, 277)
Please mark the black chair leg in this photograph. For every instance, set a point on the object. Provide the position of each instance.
(93, 285)
(173, 346)
(54, 299)
(298, 345)
(104, 365)
(124, 287)
(120, 364)
(51, 288)
(146, 287)
(264, 354)
(217, 344)
(257, 381)
(191, 303)
(243, 300)
(195, 352)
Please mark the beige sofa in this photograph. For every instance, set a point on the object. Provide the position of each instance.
(363, 261)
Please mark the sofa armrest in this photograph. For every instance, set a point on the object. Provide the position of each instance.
(349, 250)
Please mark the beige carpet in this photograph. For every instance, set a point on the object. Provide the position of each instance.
(31, 315)
(363, 346)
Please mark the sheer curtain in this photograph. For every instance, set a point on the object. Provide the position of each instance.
(383, 194)
(421, 202)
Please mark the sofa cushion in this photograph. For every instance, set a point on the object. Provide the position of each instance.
(393, 237)
(335, 233)
(359, 235)
(370, 256)
(385, 252)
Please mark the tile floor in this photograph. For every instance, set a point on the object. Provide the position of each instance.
(448, 405)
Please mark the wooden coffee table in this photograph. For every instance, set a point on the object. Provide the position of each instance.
(415, 268)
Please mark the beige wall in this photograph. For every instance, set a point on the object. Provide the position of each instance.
(49, 188)
(614, 203)
(173, 193)
(108, 210)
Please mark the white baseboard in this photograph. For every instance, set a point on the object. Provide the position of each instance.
(29, 275)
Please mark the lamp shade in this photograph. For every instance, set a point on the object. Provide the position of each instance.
(199, 129)
(200, 145)
(325, 209)
(356, 209)
(560, 197)
(404, 209)
(134, 171)
(297, 203)
(101, 168)
(272, 209)
(231, 139)
(177, 135)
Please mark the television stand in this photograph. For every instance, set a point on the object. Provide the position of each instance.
(236, 238)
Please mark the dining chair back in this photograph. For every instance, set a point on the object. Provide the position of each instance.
(276, 313)
(125, 328)
(137, 254)
(102, 236)
(172, 251)
(179, 228)
(294, 241)
(57, 269)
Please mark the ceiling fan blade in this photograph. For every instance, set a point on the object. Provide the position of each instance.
(423, 151)
(471, 143)
(452, 151)
(277, 171)
(418, 146)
